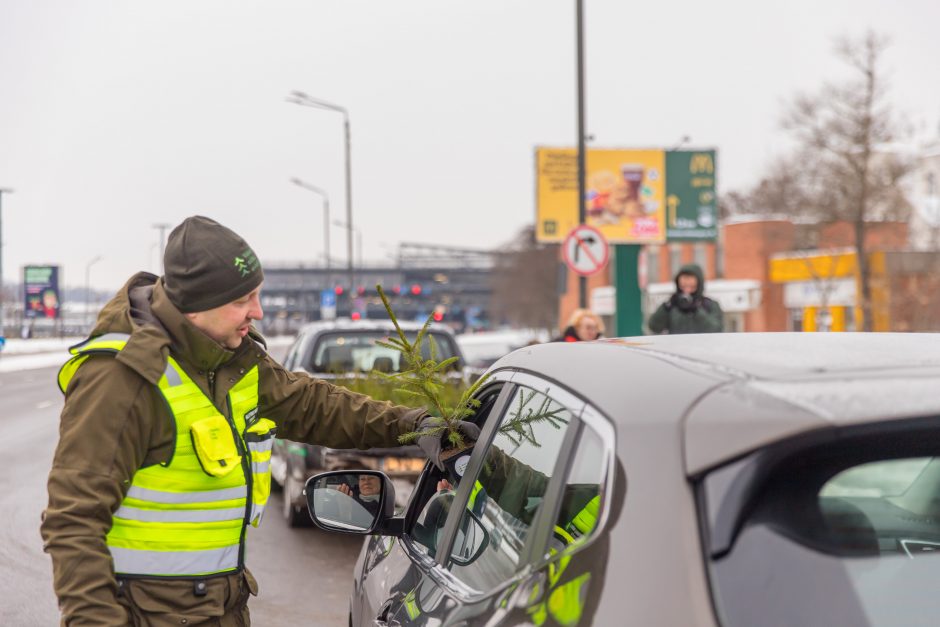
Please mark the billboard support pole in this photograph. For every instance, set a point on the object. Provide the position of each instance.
(582, 281)
(629, 316)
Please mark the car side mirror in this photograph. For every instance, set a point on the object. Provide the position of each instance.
(357, 502)
(471, 540)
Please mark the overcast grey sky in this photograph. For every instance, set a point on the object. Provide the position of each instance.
(118, 115)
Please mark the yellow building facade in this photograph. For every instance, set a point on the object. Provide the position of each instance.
(822, 289)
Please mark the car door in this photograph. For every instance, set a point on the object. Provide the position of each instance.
(517, 486)
(568, 557)
(390, 569)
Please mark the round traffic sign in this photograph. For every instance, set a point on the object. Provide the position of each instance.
(585, 250)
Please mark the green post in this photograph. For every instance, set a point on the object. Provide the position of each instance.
(629, 319)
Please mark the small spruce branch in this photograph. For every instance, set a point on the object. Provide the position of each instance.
(519, 426)
(425, 379)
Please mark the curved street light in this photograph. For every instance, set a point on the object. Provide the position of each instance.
(88, 266)
(326, 216)
(351, 228)
(303, 99)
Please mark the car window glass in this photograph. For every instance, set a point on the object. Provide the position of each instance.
(358, 352)
(580, 503)
(291, 358)
(508, 492)
(891, 507)
(848, 518)
(436, 493)
(875, 479)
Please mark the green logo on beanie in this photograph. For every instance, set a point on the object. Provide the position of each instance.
(246, 263)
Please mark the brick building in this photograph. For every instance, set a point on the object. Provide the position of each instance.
(738, 270)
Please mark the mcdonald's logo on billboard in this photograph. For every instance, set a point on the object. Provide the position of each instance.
(702, 163)
(691, 208)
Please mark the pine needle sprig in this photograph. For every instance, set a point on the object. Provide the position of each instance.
(522, 418)
(425, 379)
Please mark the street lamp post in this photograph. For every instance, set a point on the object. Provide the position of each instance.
(299, 97)
(351, 228)
(326, 217)
(3, 190)
(582, 191)
(162, 227)
(88, 266)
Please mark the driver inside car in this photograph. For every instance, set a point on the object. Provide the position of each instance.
(518, 490)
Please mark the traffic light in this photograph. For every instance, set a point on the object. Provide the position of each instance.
(416, 289)
(339, 290)
(356, 315)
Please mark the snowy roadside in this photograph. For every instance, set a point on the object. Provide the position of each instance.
(47, 353)
(16, 346)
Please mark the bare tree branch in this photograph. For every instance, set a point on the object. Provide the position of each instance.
(844, 168)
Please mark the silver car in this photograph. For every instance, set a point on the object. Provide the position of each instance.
(738, 480)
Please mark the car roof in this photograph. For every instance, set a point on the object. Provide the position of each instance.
(728, 394)
(346, 324)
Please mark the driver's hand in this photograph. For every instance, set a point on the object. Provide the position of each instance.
(344, 489)
(444, 484)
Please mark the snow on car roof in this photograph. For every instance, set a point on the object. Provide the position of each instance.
(728, 394)
(342, 324)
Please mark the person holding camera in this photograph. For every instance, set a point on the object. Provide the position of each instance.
(688, 310)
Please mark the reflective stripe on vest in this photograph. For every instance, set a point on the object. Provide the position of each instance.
(260, 439)
(586, 519)
(176, 519)
(190, 562)
(565, 602)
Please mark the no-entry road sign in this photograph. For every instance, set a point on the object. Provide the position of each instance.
(585, 250)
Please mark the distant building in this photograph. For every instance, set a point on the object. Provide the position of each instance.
(451, 284)
(772, 274)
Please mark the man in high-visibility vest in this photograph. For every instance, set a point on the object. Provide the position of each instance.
(171, 407)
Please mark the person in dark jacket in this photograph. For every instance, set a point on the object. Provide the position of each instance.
(688, 310)
(583, 326)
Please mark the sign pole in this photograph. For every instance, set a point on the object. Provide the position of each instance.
(582, 192)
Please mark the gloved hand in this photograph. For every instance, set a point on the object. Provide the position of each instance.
(431, 444)
(685, 302)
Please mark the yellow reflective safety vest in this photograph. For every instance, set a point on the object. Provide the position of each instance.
(187, 517)
(566, 602)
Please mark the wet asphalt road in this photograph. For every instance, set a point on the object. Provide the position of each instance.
(305, 575)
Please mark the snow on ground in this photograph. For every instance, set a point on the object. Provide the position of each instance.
(50, 352)
(16, 346)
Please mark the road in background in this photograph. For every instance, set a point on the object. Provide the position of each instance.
(305, 575)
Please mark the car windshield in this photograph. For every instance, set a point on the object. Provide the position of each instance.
(359, 351)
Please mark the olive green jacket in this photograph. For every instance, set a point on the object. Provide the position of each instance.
(115, 421)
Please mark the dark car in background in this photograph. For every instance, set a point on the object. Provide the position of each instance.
(737, 480)
(334, 350)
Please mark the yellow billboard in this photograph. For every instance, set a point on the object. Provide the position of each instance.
(624, 199)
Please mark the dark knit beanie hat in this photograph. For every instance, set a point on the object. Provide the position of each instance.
(206, 265)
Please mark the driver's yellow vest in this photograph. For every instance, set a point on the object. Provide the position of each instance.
(187, 517)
